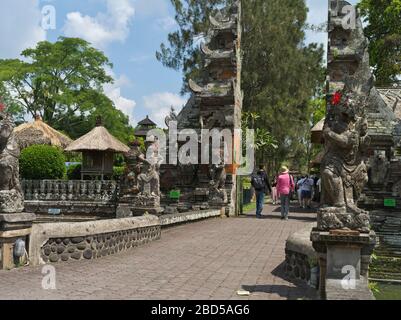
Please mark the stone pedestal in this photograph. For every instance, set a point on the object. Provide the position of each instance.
(138, 205)
(13, 226)
(343, 254)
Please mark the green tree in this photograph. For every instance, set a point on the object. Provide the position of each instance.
(383, 18)
(12, 105)
(280, 73)
(63, 83)
(182, 51)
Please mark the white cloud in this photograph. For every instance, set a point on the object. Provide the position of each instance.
(104, 28)
(19, 26)
(113, 91)
(167, 23)
(152, 7)
(159, 105)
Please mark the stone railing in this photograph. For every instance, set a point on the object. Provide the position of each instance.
(72, 190)
(60, 241)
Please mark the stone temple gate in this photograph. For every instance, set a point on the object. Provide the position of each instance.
(349, 67)
(215, 103)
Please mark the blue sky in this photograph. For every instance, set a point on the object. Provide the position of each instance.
(129, 32)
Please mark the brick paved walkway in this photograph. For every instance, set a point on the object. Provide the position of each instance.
(211, 259)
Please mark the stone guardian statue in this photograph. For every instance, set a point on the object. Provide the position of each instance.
(11, 196)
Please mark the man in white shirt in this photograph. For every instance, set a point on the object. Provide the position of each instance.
(299, 183)
(306, 191)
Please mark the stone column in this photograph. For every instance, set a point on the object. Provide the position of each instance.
(344, 257)
(14, 223)
(13, 227)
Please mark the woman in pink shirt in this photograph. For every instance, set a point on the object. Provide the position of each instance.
(285, 185)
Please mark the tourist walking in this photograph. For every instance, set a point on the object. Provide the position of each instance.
(260, 182)
(299, 193)
(306, 192)
(274, 191)
(285, 185)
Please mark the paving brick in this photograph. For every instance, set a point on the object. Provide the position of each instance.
(212, 259)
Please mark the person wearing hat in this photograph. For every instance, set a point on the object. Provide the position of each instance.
(285, 185)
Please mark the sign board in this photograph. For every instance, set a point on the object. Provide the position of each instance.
(175, 194)
(246, 185)
(54, 212)
(391, 203)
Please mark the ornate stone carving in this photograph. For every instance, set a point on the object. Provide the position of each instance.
(141, 182)
(344, 173)
(149, 179)
(172, 116)
(379, 169)
(218, 175)
(134, 160)
(11, 196)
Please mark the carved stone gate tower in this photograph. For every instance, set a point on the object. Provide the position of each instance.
(215, 104)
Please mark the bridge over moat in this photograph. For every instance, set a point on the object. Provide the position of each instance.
(211, 259)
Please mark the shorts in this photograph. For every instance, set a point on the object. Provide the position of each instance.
(306, 194)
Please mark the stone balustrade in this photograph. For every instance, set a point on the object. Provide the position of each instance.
(72, 190)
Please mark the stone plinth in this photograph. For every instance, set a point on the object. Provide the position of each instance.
(13, 227)
(139, 205)
(343, 254)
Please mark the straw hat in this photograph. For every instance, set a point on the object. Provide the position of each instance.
(284, 169)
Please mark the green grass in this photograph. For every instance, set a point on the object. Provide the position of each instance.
(387, 291)
(249, 207)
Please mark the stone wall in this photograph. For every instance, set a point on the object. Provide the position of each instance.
(300, 257)
(59, 242)
(96, 246)
(54, 242)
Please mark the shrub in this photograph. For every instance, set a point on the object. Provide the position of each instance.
(39, 162)
(74, 172)
(118, 172)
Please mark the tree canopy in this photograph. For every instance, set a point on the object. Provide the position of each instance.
(383, 18)
(280, 73)
(62, 82)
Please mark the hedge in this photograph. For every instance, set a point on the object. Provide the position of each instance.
(40, 162)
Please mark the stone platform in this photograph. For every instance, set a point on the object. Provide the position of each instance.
(13, 226)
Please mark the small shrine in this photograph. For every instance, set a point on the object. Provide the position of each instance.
(98, 148)
(144, 127)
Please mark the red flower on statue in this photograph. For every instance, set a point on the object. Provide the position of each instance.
(2, 107)
(336, 98)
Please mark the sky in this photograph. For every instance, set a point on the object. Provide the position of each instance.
(129, 32)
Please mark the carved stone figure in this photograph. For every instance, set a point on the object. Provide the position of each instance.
(379, 169)
(134, 161)
(172, 116)
(344, 173)
(149, 179)
(218, 176)
(11, 196)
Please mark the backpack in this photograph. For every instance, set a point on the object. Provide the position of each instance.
(258, 182)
